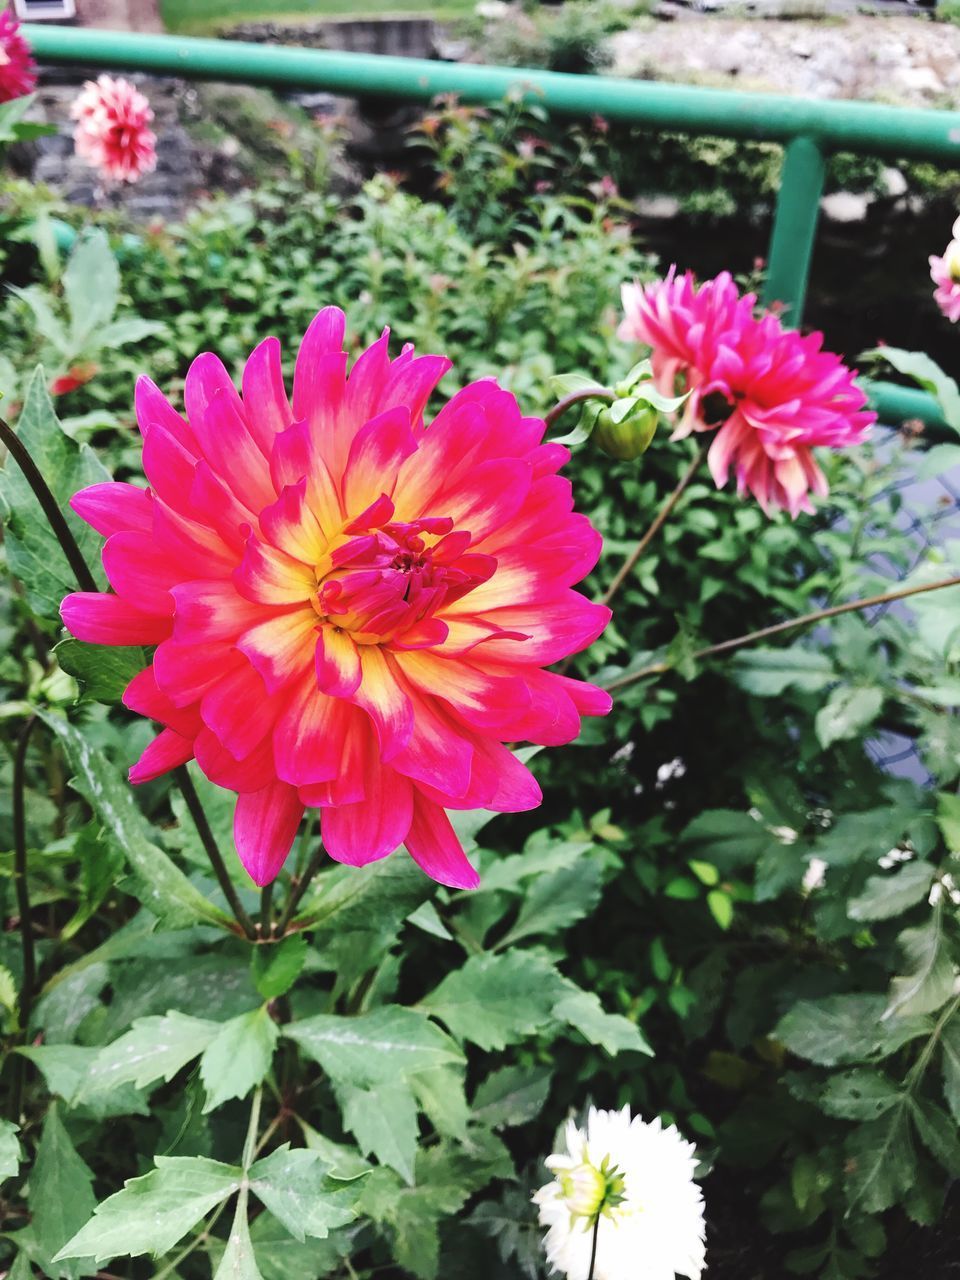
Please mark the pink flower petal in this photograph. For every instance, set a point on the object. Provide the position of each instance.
(99, 618)
(264, 827)
(433, 844)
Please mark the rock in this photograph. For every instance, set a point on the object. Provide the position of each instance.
(921, 80)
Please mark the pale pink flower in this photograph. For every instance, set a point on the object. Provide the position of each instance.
(353, 611)
(774, 394)
(113, 129)
(945, 274)
(18, 71)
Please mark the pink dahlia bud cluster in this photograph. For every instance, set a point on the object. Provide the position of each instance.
(352, 609)
(772, 394)
(113, 131)
(18, 71)
(945, 274)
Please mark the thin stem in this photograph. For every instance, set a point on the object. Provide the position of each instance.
(23, 901)
(250, 1146)
(577, 397)
(264, 924)
(726, 646)
(297, 889)
(209, 843)
(593, 1248)
(51, 508)
(659, 521)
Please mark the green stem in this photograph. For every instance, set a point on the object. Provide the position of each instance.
(264, 924)
(577, 397)
(208, 840)
(23, 904)
(51, 508)
(727, 646)
(250, 1146)
(593, 1248)
(297, 889)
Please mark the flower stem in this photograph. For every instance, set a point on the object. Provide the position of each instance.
(577, 397)
(208, 840)
(264, 924)
(593, 1248)
(297, 889)
(726, 646)
(23, 904)
(659, 521)
(51, 508)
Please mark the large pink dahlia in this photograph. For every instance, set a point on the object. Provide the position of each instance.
(945, 274)
(113, 131)
(352, 610)
(18, 71)
(774, 394)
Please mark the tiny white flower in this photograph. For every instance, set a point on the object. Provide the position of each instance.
(815, 875)
(669, 770)
(637, 1179)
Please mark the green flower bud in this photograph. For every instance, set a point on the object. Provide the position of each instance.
(626, 428)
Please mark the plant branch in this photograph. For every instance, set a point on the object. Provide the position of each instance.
(23, 902)
(593, 1248)
(208, 840)
(51, 508)
(726, 646)
(265, 924)
(659, 521)
(577, 397)
(297, 889)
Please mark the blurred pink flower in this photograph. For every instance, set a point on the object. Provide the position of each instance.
(18, 71)
(353, 611)
(945, 274)
(774, 395)
(113, 129)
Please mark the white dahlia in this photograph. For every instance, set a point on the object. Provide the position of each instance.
(636, 1180)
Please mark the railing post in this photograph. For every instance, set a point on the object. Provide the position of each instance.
(795, 226)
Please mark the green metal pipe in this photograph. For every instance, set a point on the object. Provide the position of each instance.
(894, 404)
(858, 126)
(795, 227)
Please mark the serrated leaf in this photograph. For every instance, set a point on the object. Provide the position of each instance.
(512, 1096)
(948, 819)
(9, 1149)
(154, 1048)
(441, 1093)
(65, 1066)
(102, 671)
(126, 330)
(61, 1197)
(859, 1094)
(583, 1011)
(276, 969)
(297, 1189)
(556, 901)
(377, 1048)
(151, 1214)
(384, 1123)
(496, 1000)
(238, 1057)
(511, 873)
(91, 285)
(880, 1162)
(770, 672)
(937, 1133)
(162, 887)
(239, 1262)
(726, 838)
(950, 1059)
(842, 1028)
(846, 713)
(929, 980)
(34, 555)
(883, 897)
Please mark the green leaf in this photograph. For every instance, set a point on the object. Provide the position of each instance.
(91, 286)
(384, 1123)
(61, 1197)
(496, 1000)
(127, 330)
(441, 1093)
(276, 969)
(927, 374)
(102, 671)
(239, 1262)
(950, 1060)
(843, 1028)
(512, 1096)
(890, 895)
(770, 672)
(948, 819)
(937, 1133)
(154, 1048)
(511, 873)
(10, 1153)
(880, 1162)
(928, 982)
(372, 1049)
(583, 1011)
(161, 886)
(557, 901)
(34, 555)
(297, 1189)
(846, 713)
(720, 905)
(238, 1057)
(726, 838)
(152, 1213)
(859, 1094)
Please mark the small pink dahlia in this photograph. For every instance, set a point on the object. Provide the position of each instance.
(774, 394)
(113, 129)
(352, 610)
(945, 274)
(18, 71)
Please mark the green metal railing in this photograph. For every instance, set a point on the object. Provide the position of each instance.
(810, 130)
